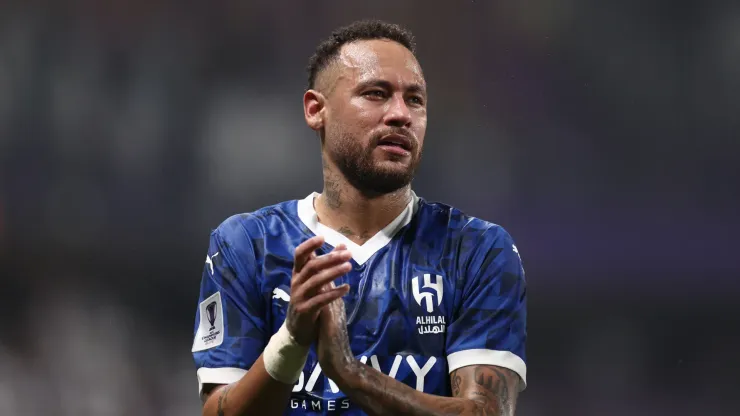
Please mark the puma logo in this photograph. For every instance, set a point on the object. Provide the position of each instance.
(280, 294)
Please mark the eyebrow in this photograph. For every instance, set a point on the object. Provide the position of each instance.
(413, 88)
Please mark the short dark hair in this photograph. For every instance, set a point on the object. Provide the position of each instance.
(328, 49)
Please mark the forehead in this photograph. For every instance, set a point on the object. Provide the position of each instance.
(379, 59)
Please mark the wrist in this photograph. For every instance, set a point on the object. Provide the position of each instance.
(344, 371)
(284, 357)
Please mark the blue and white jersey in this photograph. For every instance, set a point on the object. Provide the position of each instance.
(434, 291)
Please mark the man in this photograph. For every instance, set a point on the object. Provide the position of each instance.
(364, 299)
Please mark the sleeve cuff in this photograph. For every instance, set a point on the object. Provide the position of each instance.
(505, 359)
(224, 375)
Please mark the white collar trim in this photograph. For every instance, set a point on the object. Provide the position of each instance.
(360, 253)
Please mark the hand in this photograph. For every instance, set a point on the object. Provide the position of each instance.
(307, 292)
(334, 351)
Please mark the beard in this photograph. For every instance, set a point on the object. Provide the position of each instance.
(364, 173)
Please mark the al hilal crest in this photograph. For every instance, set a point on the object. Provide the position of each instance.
(429, 324)
(427, 297)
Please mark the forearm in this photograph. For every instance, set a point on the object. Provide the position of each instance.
(379, 394)
(257, 393)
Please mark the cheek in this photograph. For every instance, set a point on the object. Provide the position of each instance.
(366, 115)
(349, 127)
(350, 116)
(420, 128)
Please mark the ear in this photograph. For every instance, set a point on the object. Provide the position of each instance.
(314, 104)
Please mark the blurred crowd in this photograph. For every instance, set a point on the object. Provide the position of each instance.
(603, 136)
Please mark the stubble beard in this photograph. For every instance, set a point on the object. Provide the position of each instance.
(358, 167)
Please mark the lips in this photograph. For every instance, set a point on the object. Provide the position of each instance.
(396, 140)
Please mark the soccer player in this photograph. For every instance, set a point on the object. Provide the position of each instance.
(365, 298)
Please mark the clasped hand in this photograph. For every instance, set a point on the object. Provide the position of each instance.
(316, 309)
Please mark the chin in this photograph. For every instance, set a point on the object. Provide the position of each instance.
(391, 180)
(380, 181)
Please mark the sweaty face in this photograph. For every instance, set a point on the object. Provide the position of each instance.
(376, 115)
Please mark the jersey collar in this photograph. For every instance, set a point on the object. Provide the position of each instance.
(360, 253)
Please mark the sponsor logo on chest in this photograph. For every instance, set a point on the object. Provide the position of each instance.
(307, 382)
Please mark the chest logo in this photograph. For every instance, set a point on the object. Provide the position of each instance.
(428, 297)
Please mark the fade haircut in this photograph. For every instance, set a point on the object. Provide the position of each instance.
(328, 50)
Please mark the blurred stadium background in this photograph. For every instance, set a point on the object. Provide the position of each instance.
(603, 135)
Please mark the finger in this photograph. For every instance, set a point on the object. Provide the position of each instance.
(316, 282)
(325, 261)
(305, 250)
(320, 263)
(317, 302)
(313, 283)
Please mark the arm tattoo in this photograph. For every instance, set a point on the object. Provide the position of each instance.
(485, 379)
(455, 384)
(491, 390)
(477, 391)
(222, 399)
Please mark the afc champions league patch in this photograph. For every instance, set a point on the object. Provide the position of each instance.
(211, 327)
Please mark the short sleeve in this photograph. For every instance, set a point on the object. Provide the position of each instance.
(489, 322)
(230, 321)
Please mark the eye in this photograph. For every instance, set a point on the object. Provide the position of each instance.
(416, 99)
(374, 93)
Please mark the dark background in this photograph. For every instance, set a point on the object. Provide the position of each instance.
(603, 135)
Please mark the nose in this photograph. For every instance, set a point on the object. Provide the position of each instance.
(398, 113)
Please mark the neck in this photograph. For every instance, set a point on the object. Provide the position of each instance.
(357, 216)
